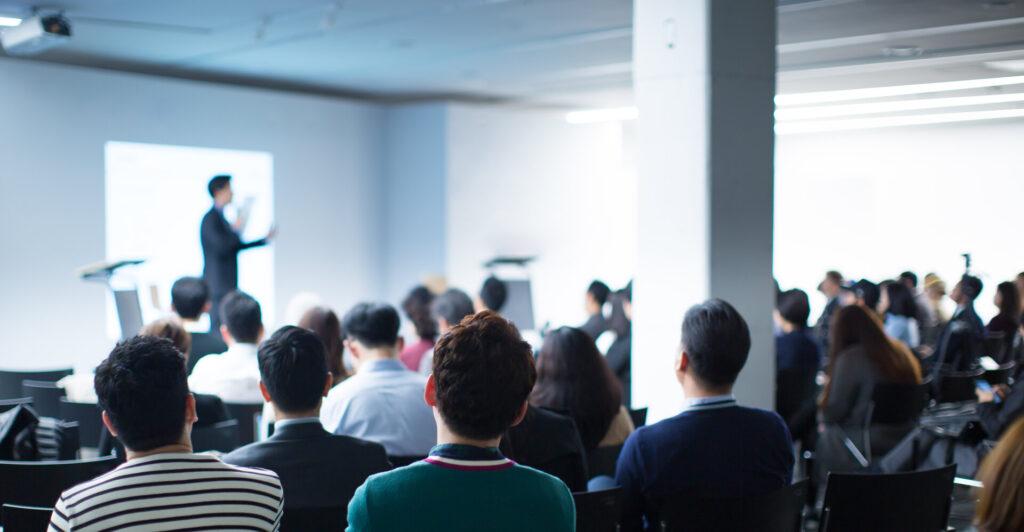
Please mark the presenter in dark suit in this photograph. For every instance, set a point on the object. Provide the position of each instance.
(221, 244)
(318, 470)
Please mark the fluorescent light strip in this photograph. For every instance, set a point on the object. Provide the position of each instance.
(895, 90)
(830, 111)
(785, 128)
(9, 21)
(612, 114)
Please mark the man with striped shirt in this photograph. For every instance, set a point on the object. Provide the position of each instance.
(143, 391)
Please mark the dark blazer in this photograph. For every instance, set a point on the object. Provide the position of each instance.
(960, 342)
(221, 245)
(317, 469)
(549, 442)
(204, 344)
(619, 360)
(595, 325)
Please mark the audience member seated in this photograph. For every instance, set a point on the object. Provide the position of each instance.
(619, 355)
(493, 295)
(926, 318)
(593, 303)
(861, 356)
(550, 442)
(962, 337)
(714, 445)
(573, 377)
(143, 391)
(1007, 300)
(326, 325)
(483, 373)
(1001, 505)
(794, 348)
(317, 469)
(831, 287)
(190, 299)
(448, 309)
(899, 310)
(1000, 407)
(234, 375)
(863, 293)
(383, 401)
(416, 306)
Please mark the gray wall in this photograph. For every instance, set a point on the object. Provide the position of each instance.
(327, 158)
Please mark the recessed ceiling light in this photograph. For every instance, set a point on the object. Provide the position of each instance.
(1010, 65)
(9, 21)
(900, 50)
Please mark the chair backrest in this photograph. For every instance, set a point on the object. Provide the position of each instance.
(778, 511)
(221, 437)
(1000, 375)
(402, 461)
(958, 386)
(18, 518)
(89, 418)
(248, 415)
(795, 391)
(598, 511)
(897, 403)
(601, 461)
(639, 416)
(7, 404)
(995, 345)
(325, 518)
(45, 396)
(10, 381)
(41, 483)
(905, 502)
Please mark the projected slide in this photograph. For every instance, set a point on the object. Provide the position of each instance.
(155, 199)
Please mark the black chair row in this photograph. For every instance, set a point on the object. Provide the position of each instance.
(10, 381)
(19, 518)
(41, 483)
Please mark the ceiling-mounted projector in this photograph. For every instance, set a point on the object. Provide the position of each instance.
(35, 35)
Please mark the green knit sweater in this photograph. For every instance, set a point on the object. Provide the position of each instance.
(462, 488)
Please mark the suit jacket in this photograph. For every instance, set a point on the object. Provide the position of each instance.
(317, 469)
(221, 245)
(960, 342)
(549, 442)
(204, 344)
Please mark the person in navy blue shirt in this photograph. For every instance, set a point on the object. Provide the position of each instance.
(714, 445)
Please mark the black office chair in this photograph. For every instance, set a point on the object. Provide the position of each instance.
(7, 404)
(89, 418)
(958, 386)
(891, 404)
(248, 416)
(639, 416)
(795, 392)
(1000, 375)
(601, 461)
(10, 381)
(18, 518)
(45, 396)
(221, 437)
(41, 483)
(778, 511)
(995, 345)
(402, 461)
(598, 511)
(918, 501)
(326, 518)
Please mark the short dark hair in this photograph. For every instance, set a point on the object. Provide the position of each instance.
(599, 291)
(188, 296)
(909, 276)
(453, 305)
(494, 293)
(143, 387)
(834, 276)
(971, 286)
(242, 316)
(717, 340)
(794, 307)
(217, 183)
(293, 366)
(483, 373)
(372, 324)
(416, 306)
(901, 299)
(867, 292)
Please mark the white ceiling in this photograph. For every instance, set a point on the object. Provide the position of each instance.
(568, 52)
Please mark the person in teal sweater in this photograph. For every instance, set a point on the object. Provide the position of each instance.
(483, 374)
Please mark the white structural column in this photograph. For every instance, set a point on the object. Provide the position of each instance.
(704, 79)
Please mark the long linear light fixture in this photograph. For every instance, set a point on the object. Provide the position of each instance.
(816, 126)
(786, 114)
(847, 95)
(9, 22)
